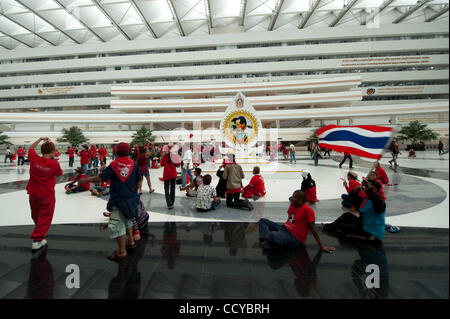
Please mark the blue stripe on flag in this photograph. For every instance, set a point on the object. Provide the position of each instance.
(364, 141)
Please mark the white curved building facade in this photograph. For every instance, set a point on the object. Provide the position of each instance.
(297, 79)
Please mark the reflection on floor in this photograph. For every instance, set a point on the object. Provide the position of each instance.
(220, 260)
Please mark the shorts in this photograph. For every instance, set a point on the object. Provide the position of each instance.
(118, 223)
(147, 174)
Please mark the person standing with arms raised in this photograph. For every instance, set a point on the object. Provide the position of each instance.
(41, 190)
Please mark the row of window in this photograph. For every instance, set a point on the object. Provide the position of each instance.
(241, 46)
(241, 61)
(99, 95)
(231, 76)
(405, 97)
(103, 107)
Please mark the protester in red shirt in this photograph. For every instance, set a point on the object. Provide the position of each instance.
(71, 152)
(309, 187)
(84, 158)
(256, 188)
(353, 183)
(56, 156)
(103, 152)
(293, 233)
(41, 190)
(169, 176)
(72, 188)
(381, 173)
(21, 155)
(373, 176)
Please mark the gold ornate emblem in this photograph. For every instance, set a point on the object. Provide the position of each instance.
(227, 126)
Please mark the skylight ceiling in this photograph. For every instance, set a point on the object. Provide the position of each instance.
(32, 23)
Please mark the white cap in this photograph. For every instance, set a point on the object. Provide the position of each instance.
(305, 173)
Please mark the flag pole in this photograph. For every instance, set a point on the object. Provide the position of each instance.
(394, 130)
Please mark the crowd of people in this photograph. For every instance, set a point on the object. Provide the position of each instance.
(122, 180)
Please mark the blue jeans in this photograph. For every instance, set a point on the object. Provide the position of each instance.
(292, 157)
(84, 168)
(183, 176)
(350, 158)
(316, 159)
(96, 162)
(276, 235)
(71, 161)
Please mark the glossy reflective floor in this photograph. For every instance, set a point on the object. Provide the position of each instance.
(216, 255)
(221, 260)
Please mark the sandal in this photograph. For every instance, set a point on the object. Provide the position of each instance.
(152, 191)
(115, 256)
(106, 214)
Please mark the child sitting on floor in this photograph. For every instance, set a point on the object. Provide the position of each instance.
(206, 196)
(72, 188)
(256, 188)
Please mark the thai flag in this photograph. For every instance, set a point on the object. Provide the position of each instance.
(363, 140)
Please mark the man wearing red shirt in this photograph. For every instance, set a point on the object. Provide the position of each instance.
(41, 190)
(84, 158)
(93, 154)
(102, 152)
(293, 233)
(72, 188)
(20, 154)
(71, 152)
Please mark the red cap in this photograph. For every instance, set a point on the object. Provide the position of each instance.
(123, 148)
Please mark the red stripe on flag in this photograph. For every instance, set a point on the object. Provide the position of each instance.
(350, 150)
(372, 128)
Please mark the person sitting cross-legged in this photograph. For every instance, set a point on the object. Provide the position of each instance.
(191, 189)
(206, 199)
(78, 188)
(370, 224)
(256, 188)
(301, 221)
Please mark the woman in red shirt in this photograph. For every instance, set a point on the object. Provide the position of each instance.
(41, 190)
(169, 177)
(349, 187)
(309, 187)
(256, 188)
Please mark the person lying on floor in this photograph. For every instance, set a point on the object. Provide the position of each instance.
(206, 199)
(78, 188)
(256, 188)
(191, 189)
(300, 222)
(370, 224)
